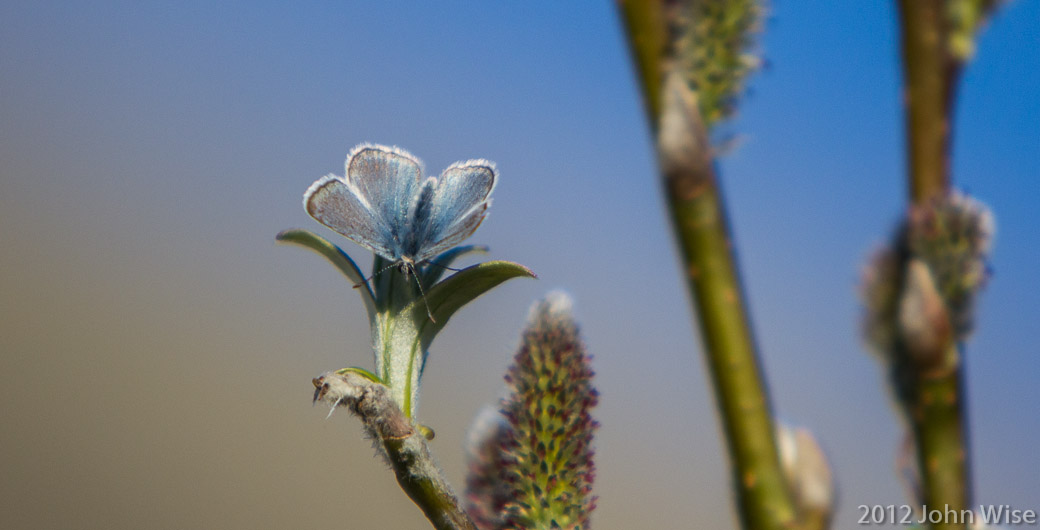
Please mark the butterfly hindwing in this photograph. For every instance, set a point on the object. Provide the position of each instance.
(457, 233)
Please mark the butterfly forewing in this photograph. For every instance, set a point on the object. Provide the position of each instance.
(458, 202)
(388, 180)
(463, 186)
(334, 204)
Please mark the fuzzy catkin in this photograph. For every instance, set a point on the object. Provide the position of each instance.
(543, 450)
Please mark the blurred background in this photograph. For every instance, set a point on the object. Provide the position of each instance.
(157, 346)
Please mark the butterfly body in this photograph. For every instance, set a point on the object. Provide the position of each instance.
(385, 205)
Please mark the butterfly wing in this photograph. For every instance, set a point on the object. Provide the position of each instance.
(450, 208)
(388, 179)
(371, 204)
(337, 205)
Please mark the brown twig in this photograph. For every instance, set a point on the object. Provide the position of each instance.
(400, 441)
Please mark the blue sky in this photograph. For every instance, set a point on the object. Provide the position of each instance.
(150, 151)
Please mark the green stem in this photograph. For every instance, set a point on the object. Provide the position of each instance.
(937, 423)
(429, 491)
(647, 29)
(936, 411)
(929, 72)
(699, 221)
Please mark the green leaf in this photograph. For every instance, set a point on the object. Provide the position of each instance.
(435, 269)
(411, 331)
(362, 372)
(459, 289)
(337, 257)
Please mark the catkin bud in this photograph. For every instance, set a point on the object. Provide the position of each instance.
(919, 292)
(544, 449)
(807, 472)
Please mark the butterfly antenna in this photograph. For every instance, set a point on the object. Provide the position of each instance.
(418, 282)
(445, 267)
(374, 274)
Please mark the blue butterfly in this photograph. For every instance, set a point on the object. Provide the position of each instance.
(384, 204)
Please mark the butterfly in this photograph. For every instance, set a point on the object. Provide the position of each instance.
(385, 205)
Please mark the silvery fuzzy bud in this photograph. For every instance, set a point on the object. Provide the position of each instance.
(923, 322)
(808, 474)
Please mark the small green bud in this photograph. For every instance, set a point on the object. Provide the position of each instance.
(964, 18)
(715, 41)
(403, 319)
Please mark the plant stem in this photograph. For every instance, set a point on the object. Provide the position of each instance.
(929, 72)
(699, 221)
(698, 218)
(936, 417)
(936, 412)
(401, 442)
(648, 39)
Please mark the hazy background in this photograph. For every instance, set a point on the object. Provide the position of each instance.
(157, 345)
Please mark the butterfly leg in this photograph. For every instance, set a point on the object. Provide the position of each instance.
(409, 268)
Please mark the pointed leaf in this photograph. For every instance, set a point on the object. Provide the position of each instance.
(412, 331)
(362, 372)
(435, 269)
(337, 257)
(459, 289)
